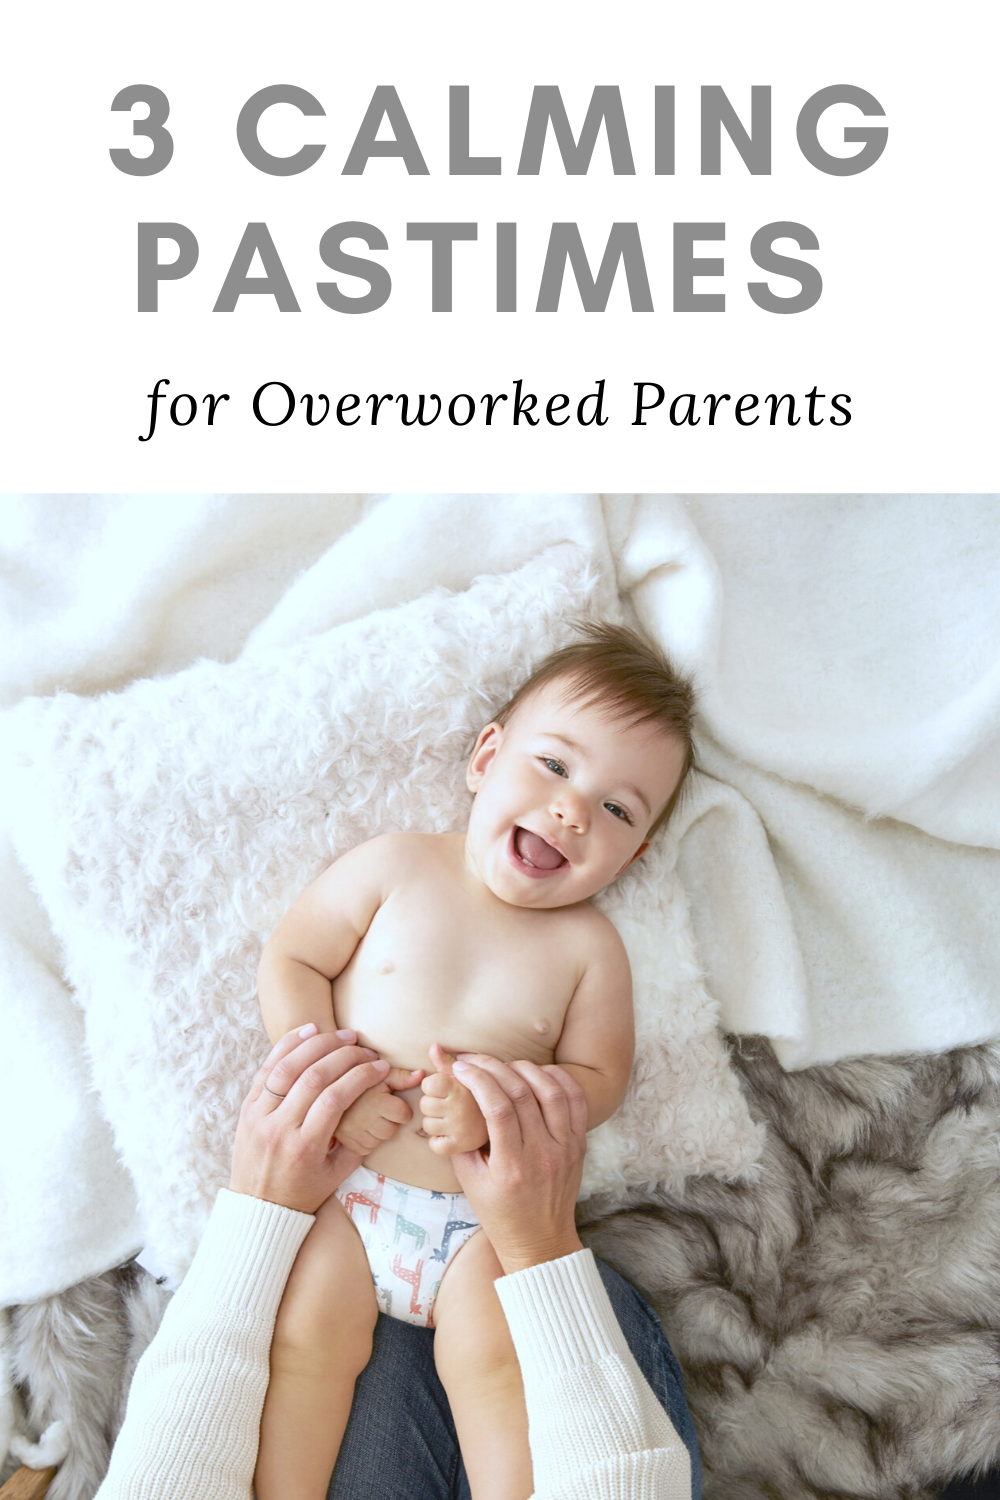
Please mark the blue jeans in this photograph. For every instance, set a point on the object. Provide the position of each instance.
(400, 1442)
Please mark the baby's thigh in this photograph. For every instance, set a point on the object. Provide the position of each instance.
(329, 1299)
(471, 1333)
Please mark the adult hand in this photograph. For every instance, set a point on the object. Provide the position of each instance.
(285, 1148)
(525, 1191)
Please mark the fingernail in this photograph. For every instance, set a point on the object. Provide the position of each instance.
(308, 1030)
(345, 1036)
(465, 1056)
(382, 1065)
(460, 1067)
(370, 1050)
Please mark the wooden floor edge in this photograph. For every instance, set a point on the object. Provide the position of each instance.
(27, 1484)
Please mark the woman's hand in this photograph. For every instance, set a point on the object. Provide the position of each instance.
(285, 1148)
(525, 1191)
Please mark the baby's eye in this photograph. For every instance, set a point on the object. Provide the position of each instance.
(619, 812)
(554, 765)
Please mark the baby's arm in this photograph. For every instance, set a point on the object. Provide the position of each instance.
(312, 943)
(316, 939)
(597, 1043)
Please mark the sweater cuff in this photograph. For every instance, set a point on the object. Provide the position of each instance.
(559, 1315)
(247, 1253)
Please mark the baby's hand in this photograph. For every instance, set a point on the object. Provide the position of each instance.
(453, 1120)
(378, 1114)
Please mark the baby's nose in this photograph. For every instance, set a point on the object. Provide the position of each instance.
(571, 810)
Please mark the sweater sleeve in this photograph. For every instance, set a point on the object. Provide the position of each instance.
(192, 1422)
(596, 1430)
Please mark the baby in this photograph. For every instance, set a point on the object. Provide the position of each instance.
(434, 945)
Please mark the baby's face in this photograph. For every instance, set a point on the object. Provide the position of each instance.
(564, 798)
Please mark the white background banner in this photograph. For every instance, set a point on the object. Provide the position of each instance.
(905, 323)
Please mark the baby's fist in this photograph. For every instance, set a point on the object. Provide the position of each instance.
(453, 1121)
(378, 1114)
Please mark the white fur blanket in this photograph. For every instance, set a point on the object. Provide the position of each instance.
(164, 827)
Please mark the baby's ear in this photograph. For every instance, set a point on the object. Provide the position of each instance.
(486, 748)
(641, 850)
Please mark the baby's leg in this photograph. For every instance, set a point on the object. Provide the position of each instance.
(478, 1367)
(322, 1342)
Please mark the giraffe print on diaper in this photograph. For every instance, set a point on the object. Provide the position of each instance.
(410, 1236)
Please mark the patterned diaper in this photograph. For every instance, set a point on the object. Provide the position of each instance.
(410, 1235)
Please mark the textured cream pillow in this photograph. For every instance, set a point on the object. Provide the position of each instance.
(167, 827)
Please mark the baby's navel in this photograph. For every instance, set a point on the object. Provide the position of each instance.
(385, 967)
(543, 1028)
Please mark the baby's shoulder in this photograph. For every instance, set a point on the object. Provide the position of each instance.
(394, 843)
(398, 853)
(594, 936)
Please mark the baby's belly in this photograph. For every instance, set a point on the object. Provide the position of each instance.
(404, 1033)
(402, 1016)
(407, 1156)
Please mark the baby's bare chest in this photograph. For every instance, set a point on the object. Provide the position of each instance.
(437, 970)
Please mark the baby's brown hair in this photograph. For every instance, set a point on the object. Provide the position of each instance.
(618, 668)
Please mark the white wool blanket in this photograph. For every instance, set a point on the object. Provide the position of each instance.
(837, 857)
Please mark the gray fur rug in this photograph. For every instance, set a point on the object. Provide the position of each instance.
(838, 1320)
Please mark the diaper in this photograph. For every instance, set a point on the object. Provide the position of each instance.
(410, 1235)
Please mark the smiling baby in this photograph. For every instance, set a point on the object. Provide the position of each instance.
(432, 945)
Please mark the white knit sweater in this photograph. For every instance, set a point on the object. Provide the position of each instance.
(597, 1431)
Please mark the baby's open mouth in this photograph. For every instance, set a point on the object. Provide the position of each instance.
(532, 850)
